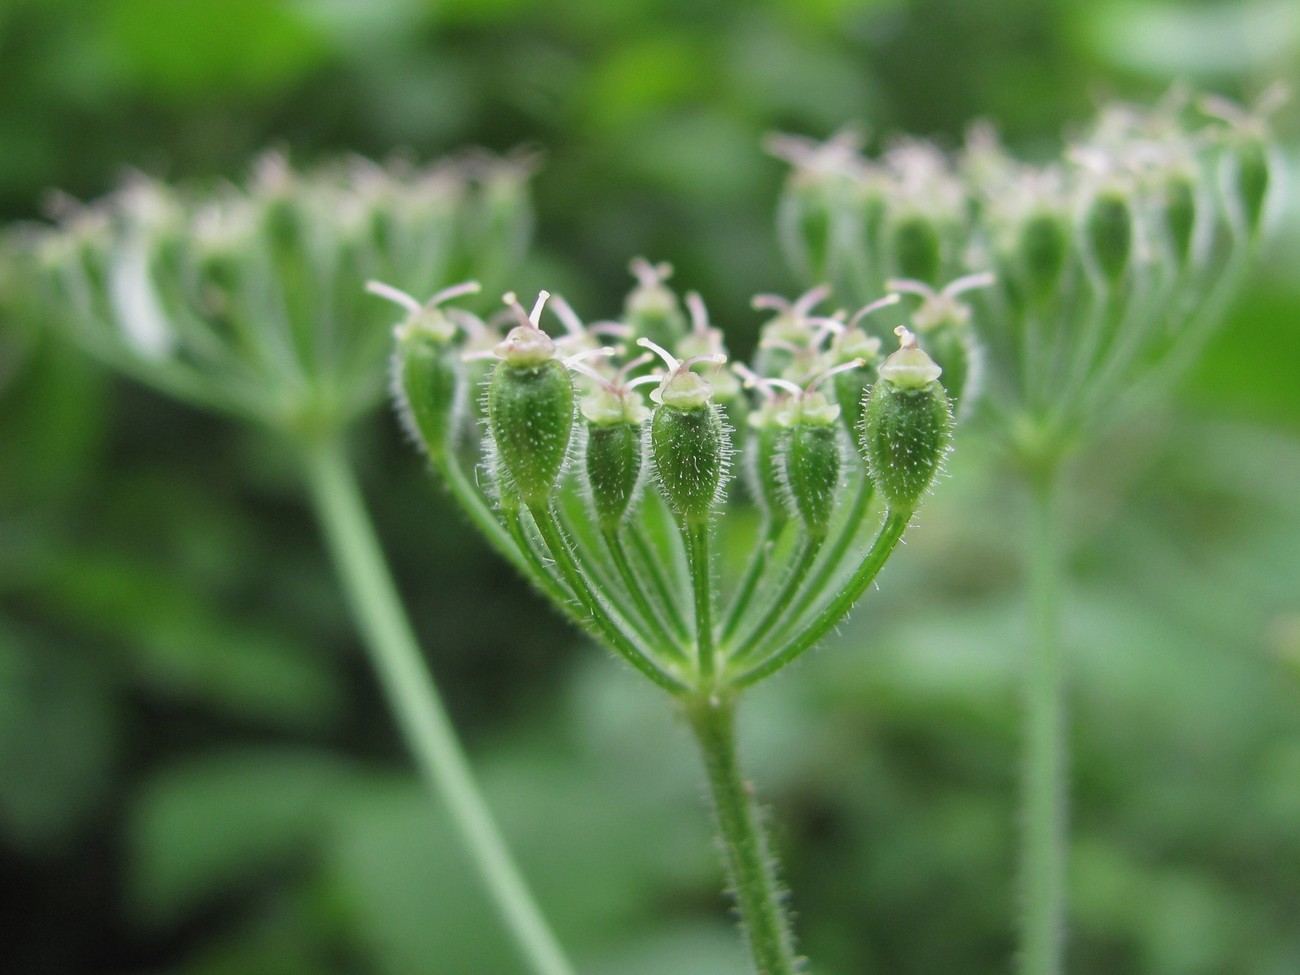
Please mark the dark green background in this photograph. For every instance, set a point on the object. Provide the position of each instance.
(197, 774)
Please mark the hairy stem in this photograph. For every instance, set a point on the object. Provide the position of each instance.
(697, 549)
(653, 621)
(833, 611)
(664, 589)
(758, 560)
(1043, 797)
(750, 866)
(416, 705)
(753, 641)
(847, 533)
(508, 541)
(609, 627)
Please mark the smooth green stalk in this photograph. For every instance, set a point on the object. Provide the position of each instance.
(612, 630)
(653, 621)
(750, 865)
(834, 611)
(697, 548)
(790, 588)
(415, 702)
(1043, 840)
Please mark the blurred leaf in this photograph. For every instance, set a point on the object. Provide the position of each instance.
(682, 950)
(52, 425)
(184, 648)
(207, 825)
(187, 49)
(1205, 42)
(59, 739)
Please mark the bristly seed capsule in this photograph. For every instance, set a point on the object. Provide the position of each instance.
(906, 426)
(530, 408)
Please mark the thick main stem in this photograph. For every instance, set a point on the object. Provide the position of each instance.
(1043, 795)
(750, 866)
(416, 705)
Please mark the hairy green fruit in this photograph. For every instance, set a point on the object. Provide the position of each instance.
(812, 473)
(614, 462)
(763, 454)
(814, 224)
(906, 426)
(530, 416)
(1043, 248)
(954, 351)
(1108, 227)
(917, 248)
(429, 389)
(851, 386)
(1251, 170)
(1180, 216)
(691, 451)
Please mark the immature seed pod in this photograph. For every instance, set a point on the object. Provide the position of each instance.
(763, 461)
(1250, 182)
(652, 310)
(807, 224)
(427, 373)
(688, 439)
(1043, 247)
(614, 453)
(812, 460)
(530, 410)
(855, 356)
(1180, 215)
(955, 352)
(906, 427)
(917, 248)
(946, 324)
(429, 388)
(851, 387)
(1108, 227)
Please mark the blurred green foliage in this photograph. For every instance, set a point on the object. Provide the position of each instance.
(196, 773)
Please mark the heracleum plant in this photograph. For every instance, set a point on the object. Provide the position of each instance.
(615, 505)
(1057, 298)
(249, 299)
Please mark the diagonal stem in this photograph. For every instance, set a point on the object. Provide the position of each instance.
(609, 627)
(754, 640)
(416, 704)
(750, 866)
(1043, 796)
(830, 614)
(753, 573)
(653, 621)
(697, 547)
